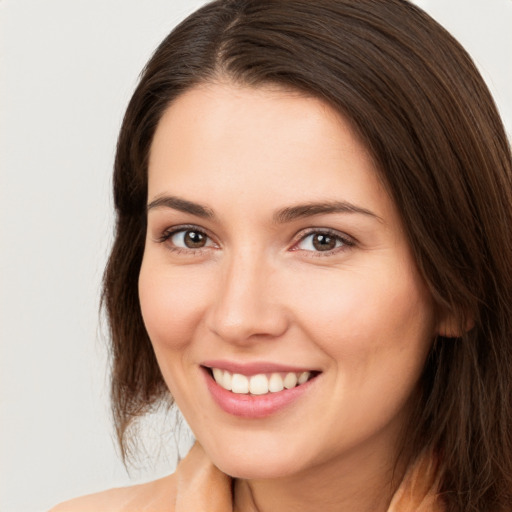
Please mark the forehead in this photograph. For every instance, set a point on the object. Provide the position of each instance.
(220, 139)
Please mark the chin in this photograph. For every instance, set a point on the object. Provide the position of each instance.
(255, 470)
(259, 462)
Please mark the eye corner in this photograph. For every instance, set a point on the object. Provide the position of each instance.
(175, 239)
(328, 242)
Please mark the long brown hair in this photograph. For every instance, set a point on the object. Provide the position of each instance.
(424, 112)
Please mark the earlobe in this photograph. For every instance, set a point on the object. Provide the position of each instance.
(451, 325)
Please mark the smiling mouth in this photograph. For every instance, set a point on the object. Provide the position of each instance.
(261, 383)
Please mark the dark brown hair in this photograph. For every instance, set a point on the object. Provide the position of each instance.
(416, 99)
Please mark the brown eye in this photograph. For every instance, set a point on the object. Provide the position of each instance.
(323, 242)
(194, 239)
(188, 239)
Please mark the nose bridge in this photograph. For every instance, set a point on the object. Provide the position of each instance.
(246, 304)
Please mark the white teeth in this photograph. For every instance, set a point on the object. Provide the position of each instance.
(226, 381)
(304, 377)
(275, 383)
(290, 381)
(239, 384)
(217, 375)
(259, 384)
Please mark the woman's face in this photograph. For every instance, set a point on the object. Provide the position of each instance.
(274, 254)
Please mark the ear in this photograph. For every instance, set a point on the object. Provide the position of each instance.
(453, 325)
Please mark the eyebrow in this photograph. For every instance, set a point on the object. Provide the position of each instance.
(182, 205)
(281, 216)
(309, 209)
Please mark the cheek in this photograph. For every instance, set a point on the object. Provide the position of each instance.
(171, 304)
(370, 317)
(376, 330)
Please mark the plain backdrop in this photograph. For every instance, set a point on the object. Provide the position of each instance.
(67, 69)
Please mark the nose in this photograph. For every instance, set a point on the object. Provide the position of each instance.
(247, 304)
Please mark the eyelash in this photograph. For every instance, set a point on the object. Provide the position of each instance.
(346, 241)
(169, 233)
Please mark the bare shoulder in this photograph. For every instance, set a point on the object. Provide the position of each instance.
(156, 496)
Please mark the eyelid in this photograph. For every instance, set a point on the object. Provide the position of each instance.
(173, 230)
(347, 240)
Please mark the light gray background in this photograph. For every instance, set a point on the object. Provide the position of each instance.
(67, 69)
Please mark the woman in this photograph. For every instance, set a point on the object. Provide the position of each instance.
(312, 256)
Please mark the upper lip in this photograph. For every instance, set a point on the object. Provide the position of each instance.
(254, 368)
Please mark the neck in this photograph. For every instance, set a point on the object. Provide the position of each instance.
(352, 483)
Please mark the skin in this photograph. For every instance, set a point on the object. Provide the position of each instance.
(259, 291)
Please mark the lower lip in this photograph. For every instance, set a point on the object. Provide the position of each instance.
(254, 406)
